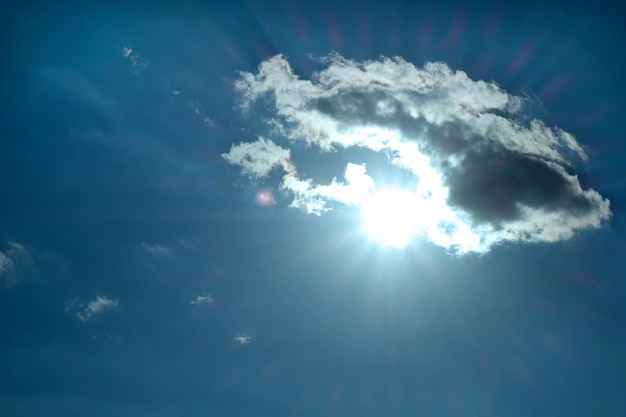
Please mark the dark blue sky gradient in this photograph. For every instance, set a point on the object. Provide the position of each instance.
(96, 158)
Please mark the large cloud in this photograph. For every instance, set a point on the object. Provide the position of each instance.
(486, 170)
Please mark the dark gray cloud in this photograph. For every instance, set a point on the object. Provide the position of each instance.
(493, 185)
(486, 170)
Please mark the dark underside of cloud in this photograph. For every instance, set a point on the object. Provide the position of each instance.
(492, 185)
(486, 170)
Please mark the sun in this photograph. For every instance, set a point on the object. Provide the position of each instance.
(390, 217)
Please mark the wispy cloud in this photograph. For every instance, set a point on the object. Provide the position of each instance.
(139, 65)
(10, 261)
(155, 249)
(185, 244)
(486, 170)
(85, 311)
(204, 298)
(107, 338)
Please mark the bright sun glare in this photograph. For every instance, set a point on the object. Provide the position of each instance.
(390, 217)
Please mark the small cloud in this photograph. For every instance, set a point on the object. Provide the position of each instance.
(184, 244)
(195, 106)
(175, 92)
(6, 263)
(139, 65)
(73, 304)
(258, 158)
(208, 122)
(205, 298)
(242, 339)
(11, 261)
(155, 249)
(85, 311)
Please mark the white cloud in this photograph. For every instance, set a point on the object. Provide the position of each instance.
(486, 170)
(258, 158)
(155, 249)
(85, 311)
(242, 339)
(204, 298)
(11, 260)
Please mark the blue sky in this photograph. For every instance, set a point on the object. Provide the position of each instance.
(195, 210)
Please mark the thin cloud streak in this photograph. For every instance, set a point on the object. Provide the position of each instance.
(155, 249)
(86, 311)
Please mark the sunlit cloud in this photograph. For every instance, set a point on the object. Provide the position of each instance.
(85, 311)
(485, 169)
(258, 158)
